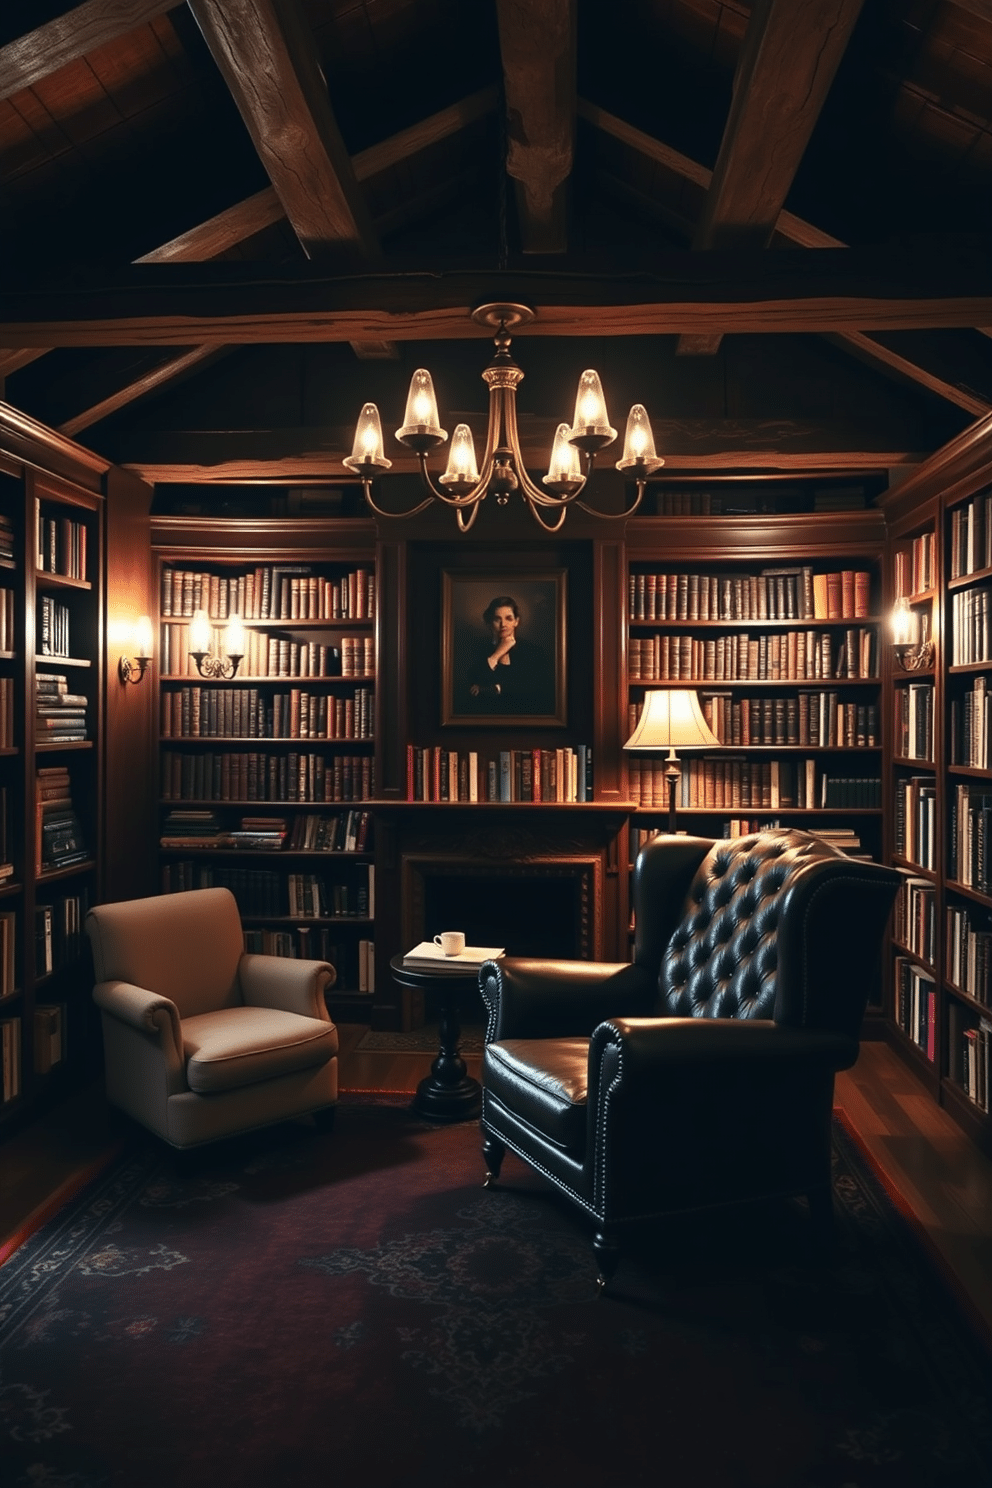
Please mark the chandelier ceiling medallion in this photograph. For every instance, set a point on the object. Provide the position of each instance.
(463, 487)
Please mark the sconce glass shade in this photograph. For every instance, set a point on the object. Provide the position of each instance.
(462, 468)
(591, 419)
(367, 452)
(672, 719)
(420, 422)
(234, 637)
(638, 443)
(200, 632)
(143, 638)
(565, 466)
(905, 623)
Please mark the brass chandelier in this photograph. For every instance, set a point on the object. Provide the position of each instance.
(463, 487)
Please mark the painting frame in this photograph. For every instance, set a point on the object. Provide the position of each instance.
(541, 600)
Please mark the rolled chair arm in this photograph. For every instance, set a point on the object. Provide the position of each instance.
(292, 986)
(648, 1046)
(559, 999)
(149, 1012)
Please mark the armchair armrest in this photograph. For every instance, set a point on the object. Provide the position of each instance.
(148, 1012)
(282, 982)
(559, 999)
(649, 1046)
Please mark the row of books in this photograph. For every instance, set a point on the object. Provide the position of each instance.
(971, 838)
(915, 820)
(345, 832)
(971, 536)
(280, 592)
(969, 950)
(6, 538)
(352, 963)
(246, 713)
(60, 545)
(914, 569)
(795, 593)
(795, 655)
(914, 923)
(6, 837)
(8, 738)
(913, 736)
(845, 839)
(916, 1004)
(58, 933)
(10, 1052)
(815, 720)
(252, 776)
(51, 1035)
(59, 836)
(508, 775)
(60, 715)
(971, 626)
(715, 784)
(53, 627)
(273, 656)
(968, 1053)
(264, 894)
(8, 952)
(971, 726)
(8, 632)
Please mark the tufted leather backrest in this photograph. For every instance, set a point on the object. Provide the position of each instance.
(751, 930)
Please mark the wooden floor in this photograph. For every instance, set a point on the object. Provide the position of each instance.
(940, 1176)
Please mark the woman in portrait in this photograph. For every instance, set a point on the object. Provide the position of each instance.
(508, 673)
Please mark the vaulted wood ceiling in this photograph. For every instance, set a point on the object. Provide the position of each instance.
(224, 224)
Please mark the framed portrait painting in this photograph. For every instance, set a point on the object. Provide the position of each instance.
(503, 648)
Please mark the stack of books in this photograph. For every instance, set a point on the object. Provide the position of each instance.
(257, 833)
(60, 715)
(59, 835)
(428, 957)
(6, 538)
(192, 829)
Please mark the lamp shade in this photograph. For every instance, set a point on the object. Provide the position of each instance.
(672, 719)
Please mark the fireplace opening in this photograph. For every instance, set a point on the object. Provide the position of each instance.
(529, 913)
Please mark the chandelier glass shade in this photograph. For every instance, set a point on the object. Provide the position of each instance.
(466, 482)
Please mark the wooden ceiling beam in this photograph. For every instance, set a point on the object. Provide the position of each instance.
(537, 40)
(39, 53)
(167, 371)
(786, 66)
(844, 289)
(315, 454)
(920, 367)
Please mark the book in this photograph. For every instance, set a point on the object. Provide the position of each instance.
(427, 956)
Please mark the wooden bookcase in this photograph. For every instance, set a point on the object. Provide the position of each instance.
(51, 571)
(265, 778)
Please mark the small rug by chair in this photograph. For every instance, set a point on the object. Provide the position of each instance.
(420, 1041)
(353, 1307)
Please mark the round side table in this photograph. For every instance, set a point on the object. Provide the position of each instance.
(448, 1093)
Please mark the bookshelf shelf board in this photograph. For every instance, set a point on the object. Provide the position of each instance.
(963, 580)
(967, 997)
(61, 748)
(735, 751)
(45, 579)
(302, 919)
(55, 875)
(10, 886)
(922, 596)
(911, 763)
(242, 679)
(905, 950)
(261, 854)
(924, 673)
(750, 811)
(8, 655)
(969, 771)
(8, 563)
(790, 622)
(243, 805)
(917, 869)
(961, 668)
(9, 997)
(10, 749)
(258, 739)
(725, 684)
(969, 893)
(398, 805)
(44, 663)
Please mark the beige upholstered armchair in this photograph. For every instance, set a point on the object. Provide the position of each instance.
(201, 1039)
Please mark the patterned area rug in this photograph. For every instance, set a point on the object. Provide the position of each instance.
(353, 1307)
(420, 1041)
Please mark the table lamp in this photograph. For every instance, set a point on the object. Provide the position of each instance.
(672, 719)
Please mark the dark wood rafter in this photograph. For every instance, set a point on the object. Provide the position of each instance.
(537, 41)
(39, 53)
(921, 368)
(167, 371)
(315, 454)
(786, 66)
(834, 290)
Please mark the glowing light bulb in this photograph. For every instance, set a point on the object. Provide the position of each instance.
(420, 420)
(461, 458)
(565, 466)
(367, 452)
(638, 443)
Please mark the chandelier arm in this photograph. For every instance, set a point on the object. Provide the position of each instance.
(531, 493)
(615, 516)
(535, 512)
(465, 522)
(471, 498)
(414, 510)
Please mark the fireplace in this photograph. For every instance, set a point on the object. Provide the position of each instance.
(532, 909)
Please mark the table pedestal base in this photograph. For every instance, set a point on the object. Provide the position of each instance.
(449, 1093)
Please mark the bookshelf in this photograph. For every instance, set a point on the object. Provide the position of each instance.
(51, 749)
(265, 777)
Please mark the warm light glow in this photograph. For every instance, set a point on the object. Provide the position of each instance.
(368, 448)
(565, 463)
(234, 637)
(143, 637)
(672, 719)
(461, 458)
(591, 416)
(905, 623)
(421, 408)
(638, 444)
(200, 632)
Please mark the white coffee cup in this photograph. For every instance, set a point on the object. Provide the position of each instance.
(452, 942)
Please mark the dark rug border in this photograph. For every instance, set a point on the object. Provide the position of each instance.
(70, 1189)
(919, 1235)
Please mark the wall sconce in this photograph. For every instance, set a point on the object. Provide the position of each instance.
(913, 647)
(133, 668)
(672, 719)
(217, 668)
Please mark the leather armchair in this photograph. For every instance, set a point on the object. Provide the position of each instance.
(202, 1040)
(701, 1073)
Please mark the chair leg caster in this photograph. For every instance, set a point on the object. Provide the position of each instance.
(493, 1151)
(489, 1180)
(607, 1249)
